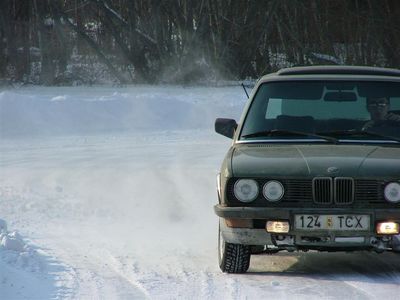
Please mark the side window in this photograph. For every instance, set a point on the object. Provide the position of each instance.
(395, 103)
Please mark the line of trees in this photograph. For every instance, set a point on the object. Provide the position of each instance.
(149, 41)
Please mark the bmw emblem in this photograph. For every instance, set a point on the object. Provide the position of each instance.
(332, 170)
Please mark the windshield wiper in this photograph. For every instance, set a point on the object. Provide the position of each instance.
(278, 132)
(361, 133)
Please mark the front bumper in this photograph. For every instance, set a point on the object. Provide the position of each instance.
(295, 239)
(287, 212)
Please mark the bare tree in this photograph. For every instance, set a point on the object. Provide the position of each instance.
(187, 40)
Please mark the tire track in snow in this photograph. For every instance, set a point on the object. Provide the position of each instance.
(130, 275)
(95, 273)
(184, 276)
(331, 275)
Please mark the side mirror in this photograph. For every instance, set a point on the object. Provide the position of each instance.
(226, 127)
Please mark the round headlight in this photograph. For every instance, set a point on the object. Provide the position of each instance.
(273, 190)
(392, 192)
(246, 190)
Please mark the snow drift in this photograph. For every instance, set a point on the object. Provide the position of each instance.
(61, 111)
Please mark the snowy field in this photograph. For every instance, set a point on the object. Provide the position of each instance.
(108, 193)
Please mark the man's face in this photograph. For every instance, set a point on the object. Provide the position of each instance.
(378, 108)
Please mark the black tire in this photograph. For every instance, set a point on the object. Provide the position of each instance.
(396, 243)
(233, 258)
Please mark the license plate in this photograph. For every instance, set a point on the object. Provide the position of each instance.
(332, 222)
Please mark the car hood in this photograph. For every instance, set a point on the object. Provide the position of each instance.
(315, 160)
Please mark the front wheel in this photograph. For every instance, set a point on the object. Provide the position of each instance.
(396, 243)
(233, 258)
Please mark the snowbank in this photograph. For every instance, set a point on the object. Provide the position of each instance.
(25, 273)
(93, 110)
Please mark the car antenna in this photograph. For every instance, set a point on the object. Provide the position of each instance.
(245, 90)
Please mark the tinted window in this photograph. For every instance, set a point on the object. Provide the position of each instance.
(317, 106)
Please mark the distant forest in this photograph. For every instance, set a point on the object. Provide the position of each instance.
(70, 42)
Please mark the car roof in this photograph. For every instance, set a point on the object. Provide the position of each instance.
(333, 72)
(356, 70)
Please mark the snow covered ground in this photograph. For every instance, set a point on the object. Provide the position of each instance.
(107, 193)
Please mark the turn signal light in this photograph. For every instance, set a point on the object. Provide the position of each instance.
(387, 228)
(277, 226)
(239, 223)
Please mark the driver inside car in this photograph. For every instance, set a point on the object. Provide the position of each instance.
(380, 115)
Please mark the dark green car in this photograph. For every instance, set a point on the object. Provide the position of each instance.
(314, 165)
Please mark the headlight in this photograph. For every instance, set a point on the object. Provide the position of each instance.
(273, 190)
(392, 192)
(246, 190)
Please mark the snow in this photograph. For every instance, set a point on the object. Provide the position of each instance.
(108, 193)
(328, 58)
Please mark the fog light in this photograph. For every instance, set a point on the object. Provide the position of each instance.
(277, 226)
(387, 228)
(239, 223)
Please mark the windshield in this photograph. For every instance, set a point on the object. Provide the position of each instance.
(350, 110)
